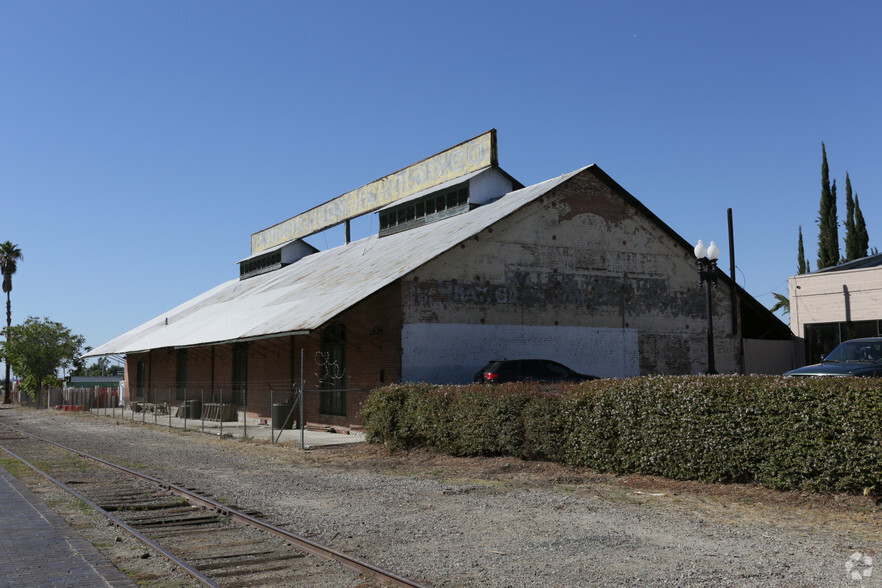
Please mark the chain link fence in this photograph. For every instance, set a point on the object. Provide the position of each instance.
(226, 413)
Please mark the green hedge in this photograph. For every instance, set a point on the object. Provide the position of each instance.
(786, 433)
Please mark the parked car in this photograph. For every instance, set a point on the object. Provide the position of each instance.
(535, 370)
(856, 357)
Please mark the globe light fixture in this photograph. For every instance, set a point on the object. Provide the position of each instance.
(706, 262)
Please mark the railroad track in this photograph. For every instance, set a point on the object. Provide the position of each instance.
(214, 543)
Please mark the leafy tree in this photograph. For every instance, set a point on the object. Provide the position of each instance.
(828, 223)
(101, 367)
(10, 254)
(802, 265)
(37, 349)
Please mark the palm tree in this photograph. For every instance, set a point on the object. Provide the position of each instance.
(783, 303)
(10, 254)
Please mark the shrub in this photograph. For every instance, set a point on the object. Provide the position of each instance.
(820, 434)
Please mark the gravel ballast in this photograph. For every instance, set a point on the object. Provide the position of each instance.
(502, 522)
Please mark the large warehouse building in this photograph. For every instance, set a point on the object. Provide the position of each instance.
(468, 266)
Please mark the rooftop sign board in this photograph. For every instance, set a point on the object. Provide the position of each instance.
(467, 157)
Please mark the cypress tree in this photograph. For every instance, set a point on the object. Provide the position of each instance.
(802, 266)
(862, 239)
(851, 237)
(828, 229)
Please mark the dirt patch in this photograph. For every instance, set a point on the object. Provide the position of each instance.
(502, 521)
(854, 514)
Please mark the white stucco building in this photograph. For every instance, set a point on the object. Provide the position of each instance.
(835, 304)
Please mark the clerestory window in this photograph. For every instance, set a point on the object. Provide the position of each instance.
(426, 209)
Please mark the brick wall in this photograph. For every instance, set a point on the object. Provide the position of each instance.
(580, 256)
(373, 358)
(373, 339)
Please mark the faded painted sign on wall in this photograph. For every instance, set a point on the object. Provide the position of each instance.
(545, 289)
(465, 158)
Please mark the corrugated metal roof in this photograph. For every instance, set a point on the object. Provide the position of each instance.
(304, 295)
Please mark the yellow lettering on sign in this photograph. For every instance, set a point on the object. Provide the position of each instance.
(465, 158)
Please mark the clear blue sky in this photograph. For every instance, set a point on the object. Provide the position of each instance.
(141, 143)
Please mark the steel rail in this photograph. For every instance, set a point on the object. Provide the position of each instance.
(301, 543)
(196, 574)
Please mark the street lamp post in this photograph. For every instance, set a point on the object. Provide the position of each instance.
(707, 274)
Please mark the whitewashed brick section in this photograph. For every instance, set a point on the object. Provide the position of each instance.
(453, 353)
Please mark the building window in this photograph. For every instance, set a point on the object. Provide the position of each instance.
(822, 338)
(260, 264)
(140, 378)
(857, 329)
(240, 372)
(333, 370)
(426, 209)
(181, 375)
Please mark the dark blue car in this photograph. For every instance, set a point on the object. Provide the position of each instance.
(856, 357)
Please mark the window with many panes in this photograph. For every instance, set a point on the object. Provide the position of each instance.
(181, 375)
(141, 378)
(426, 209)
(260, 264)
(240, 372)
(333, 370)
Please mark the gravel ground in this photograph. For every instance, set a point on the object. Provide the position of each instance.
(502, 522)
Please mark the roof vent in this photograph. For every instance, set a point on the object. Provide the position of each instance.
(425, 209)
(447, 200)
(275, 258)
